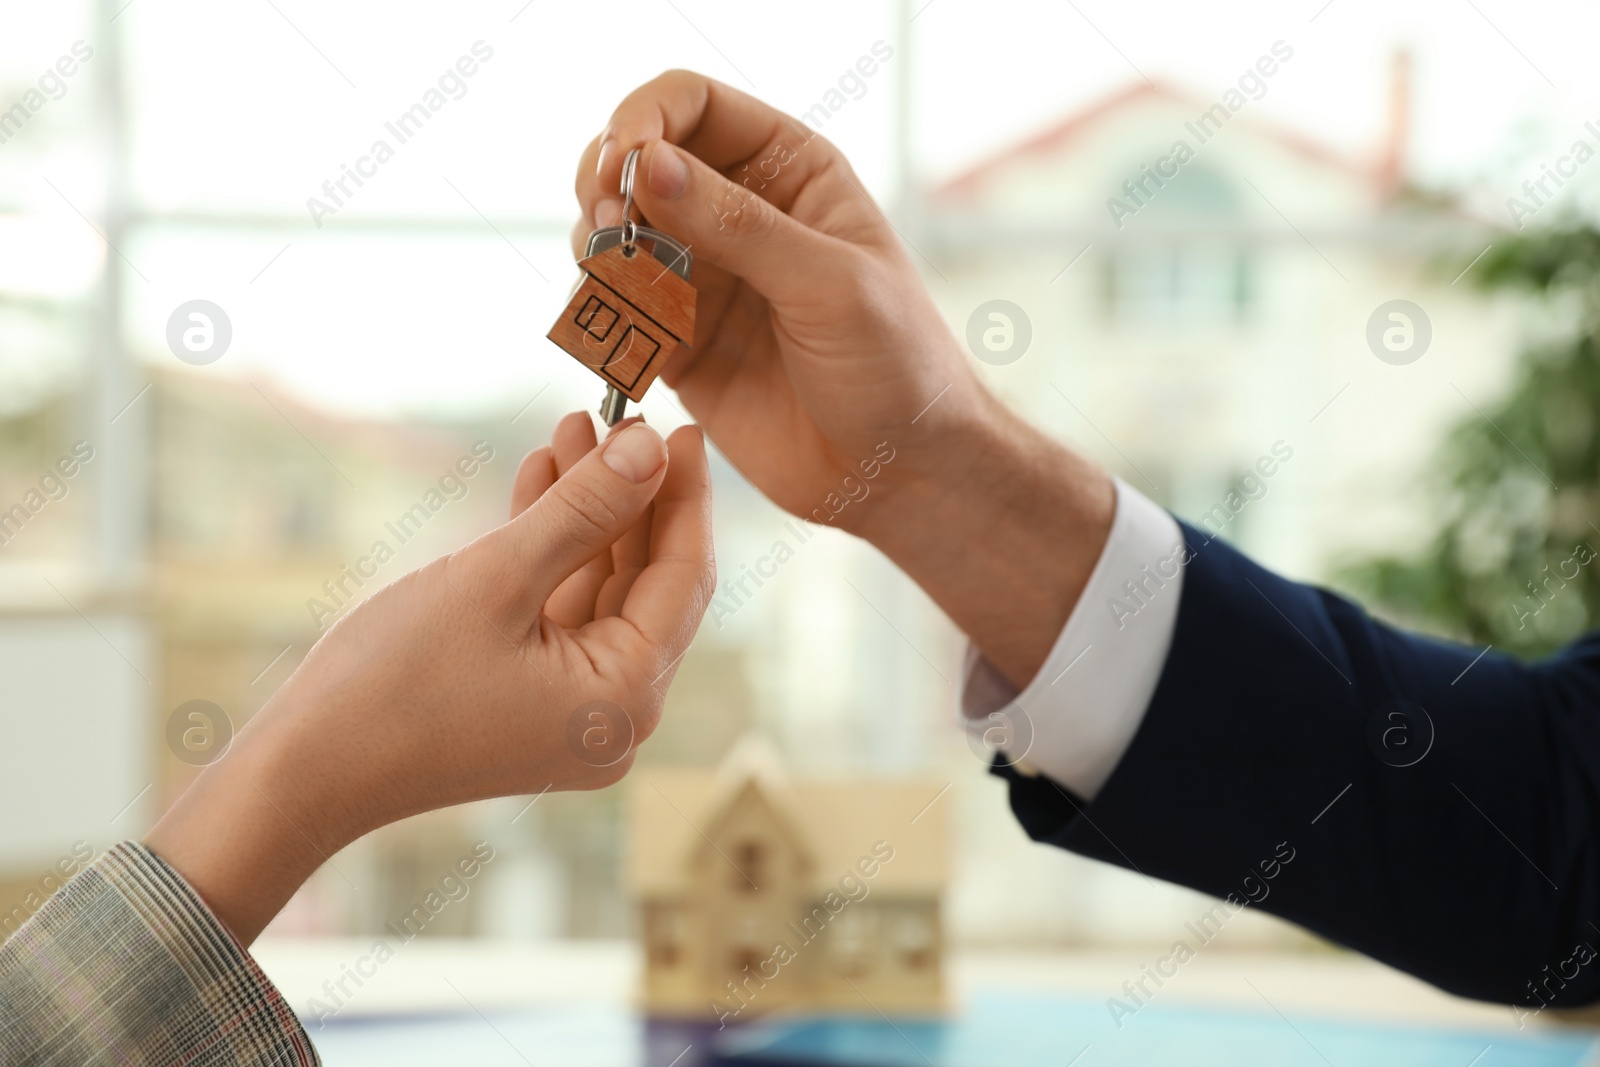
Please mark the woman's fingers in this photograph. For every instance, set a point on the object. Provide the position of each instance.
(511, 573)
(600, 587)
(535, 474)
(572, 604)
(629, 556)
(669, 596)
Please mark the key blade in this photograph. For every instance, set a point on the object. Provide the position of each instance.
(613, 406)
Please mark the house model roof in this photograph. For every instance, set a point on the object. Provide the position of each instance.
(648, 284)
(671, 813)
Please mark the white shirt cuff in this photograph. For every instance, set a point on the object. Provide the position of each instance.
(1077, 717)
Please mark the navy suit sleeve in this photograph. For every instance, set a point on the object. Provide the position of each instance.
(1457, 842)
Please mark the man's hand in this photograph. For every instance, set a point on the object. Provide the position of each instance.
(815, 339)
(537, 657)
(816, 343)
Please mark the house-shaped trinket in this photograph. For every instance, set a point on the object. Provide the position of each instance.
(627, 316)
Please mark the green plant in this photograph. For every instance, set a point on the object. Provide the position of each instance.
(1518, 488)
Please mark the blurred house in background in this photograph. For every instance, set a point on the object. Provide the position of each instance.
(258, 545)
(757, 891)
(248, 531)
(75, 662)
(1221, 320)
(1222, 309)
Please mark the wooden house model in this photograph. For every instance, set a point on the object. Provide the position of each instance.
(626, 317)
(757, 892)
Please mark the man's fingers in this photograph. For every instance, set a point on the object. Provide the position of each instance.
(513, 571)
(599, 208)
(746, 187)
(670, 595)
(716, 122)
(581, 230)
(729, 225)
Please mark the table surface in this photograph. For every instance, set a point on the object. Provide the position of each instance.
(998, 1028)
(571, 1003)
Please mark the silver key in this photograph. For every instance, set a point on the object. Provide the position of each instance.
(669, 251)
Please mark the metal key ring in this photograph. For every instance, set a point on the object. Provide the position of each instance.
(629, 227)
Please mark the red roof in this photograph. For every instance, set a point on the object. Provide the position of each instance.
(1069, 129)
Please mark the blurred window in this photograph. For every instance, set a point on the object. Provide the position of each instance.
(664, 935)
(750, 858)
(1204, 278)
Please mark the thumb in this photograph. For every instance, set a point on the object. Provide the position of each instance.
(733, 227)
(516, 568)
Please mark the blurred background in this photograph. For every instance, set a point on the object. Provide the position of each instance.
(227, 488)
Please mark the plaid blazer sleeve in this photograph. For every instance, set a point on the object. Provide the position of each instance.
(126, 965)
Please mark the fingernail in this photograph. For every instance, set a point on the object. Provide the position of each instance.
(608, 213)
(669, 174)
(607, 148)
(636, 453)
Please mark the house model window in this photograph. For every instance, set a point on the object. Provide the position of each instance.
(914, 941)
(749, 857)
(663, 936)
(854, 942)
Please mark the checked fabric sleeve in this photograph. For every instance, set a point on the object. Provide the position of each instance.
(126, 965)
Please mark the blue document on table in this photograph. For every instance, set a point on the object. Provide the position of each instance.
(993, 1029)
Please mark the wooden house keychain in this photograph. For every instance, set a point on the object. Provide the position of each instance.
(629, 312)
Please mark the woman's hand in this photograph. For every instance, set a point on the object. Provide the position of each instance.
(537, 657)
